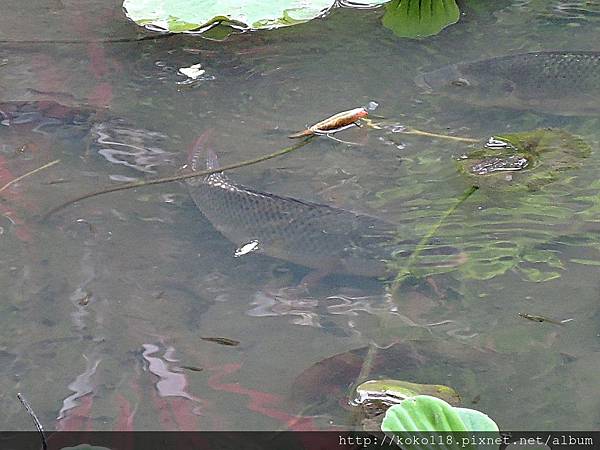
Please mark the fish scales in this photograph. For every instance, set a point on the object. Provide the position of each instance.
(547, 70)
(557, 82)
(310, 234)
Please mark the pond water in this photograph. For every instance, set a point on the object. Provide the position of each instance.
(104, 304)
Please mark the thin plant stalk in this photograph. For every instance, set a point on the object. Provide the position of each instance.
(16, 180)
(136, 184)
(403, 273)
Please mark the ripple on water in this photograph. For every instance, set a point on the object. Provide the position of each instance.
(136, 148)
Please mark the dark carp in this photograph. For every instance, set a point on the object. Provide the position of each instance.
(313, 235)
(558, 82)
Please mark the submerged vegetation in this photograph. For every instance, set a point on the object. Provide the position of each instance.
(528, 160)
(523, 177)
(471, 210)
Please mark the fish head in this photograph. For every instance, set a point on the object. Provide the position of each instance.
(361, 112)
(471, 83)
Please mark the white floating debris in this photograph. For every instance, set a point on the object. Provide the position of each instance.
(396, 128)
(246, 248)
(372, 106)
(192, 72)
(496, 143)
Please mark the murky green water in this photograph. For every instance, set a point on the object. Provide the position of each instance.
(104, 305)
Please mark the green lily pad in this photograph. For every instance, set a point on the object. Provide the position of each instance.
(394, 391)
(373, 398)
(417, 19)
(177, 16)
(424, 414)
(528, 160)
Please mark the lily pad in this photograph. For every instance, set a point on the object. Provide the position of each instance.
(528, 160)
(178, 16)
(426, 414)
(390, 392)
(417, 19)
(320, 386)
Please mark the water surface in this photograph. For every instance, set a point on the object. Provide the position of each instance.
(104, 304)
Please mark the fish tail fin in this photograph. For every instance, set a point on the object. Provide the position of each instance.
(303, 133)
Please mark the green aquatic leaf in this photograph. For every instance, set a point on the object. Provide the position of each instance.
(179, 16)
(424, 415)
(391, 391)
(528, 160)
(417, 19)
(216, 20)
(523, 225)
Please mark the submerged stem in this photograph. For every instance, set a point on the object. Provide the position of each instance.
(441, 136)
(201, 173)
(405, 271)
(16, 180)
(409, 130)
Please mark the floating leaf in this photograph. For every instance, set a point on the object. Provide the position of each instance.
(528, 160)
(416, 19)
(424, 414)
(319, 387)
(179, 16)
(390, 391)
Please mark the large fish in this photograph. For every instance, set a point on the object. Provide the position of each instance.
(318, 236)
(561, 82)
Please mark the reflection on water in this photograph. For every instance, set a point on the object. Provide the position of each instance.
(80, 387)
(104, 305)
(130, 147)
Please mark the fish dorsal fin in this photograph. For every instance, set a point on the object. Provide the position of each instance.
(198, 152)
(212, 160)
(218, 178)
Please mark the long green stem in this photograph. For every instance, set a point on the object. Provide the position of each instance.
(367, 364)
(137, 184)
(405, 271)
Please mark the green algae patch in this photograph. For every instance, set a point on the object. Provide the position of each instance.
(528, 160)
(532, 185)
